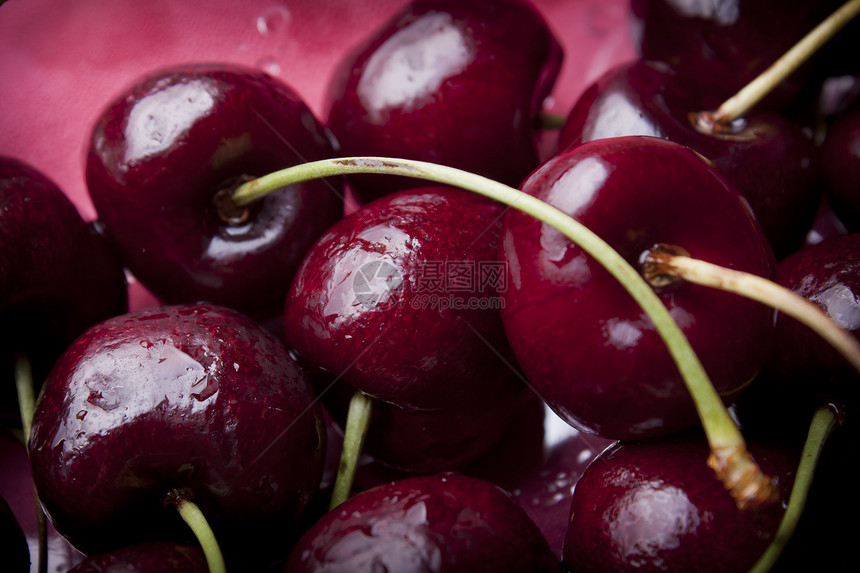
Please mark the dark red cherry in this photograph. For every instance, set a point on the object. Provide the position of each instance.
(164, 148)
(445, 522)
(58, 275)
(840, 155)
(768, 158)
(457, 83)
(583, 342)
(155, 557)
(804, 370)
(16, 558)
(196, 399)
(655, 506)
(400, 300)
(722, 46)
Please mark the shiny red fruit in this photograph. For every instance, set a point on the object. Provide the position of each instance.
(445, 522)
(655, 506)
(457, 83)
(163, 149)
(192, 398)
(768, 158)
(584, 343)
(58, 275)
(400, 300)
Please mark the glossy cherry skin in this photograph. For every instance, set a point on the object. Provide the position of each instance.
(767, 157)
(804, 371)
(58, 275)
(457, 83)
(840, 155)
(195, 398)
(655, 506)
(723, 46)
(155, 557)
(445, 522)
(583, 342)
(400, 300)
(162, 150)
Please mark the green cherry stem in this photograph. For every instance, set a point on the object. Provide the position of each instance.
(663, 264)
(196, 521)
(820, 429)
(26, 393)
(750, 95)
(729, 456)
(27, 406)
(357, 423)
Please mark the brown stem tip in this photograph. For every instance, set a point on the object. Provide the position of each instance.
(228, 211)
(744, 479)
(656, 264)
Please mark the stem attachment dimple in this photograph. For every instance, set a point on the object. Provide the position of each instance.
(656, 268)
(194, 518)
(228, 211)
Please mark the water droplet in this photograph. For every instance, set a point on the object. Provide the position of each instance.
(269, 65)
(273, 19)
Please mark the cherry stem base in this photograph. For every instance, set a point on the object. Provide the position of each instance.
(196, 521)
(354, 433)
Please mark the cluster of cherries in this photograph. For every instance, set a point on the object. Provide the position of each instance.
(426, 321)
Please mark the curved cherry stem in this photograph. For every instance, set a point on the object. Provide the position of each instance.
(823, 422)
(196, 521)
(662, 264)
(729, 456)
(27, 406)
(750, 95)
(357, 424)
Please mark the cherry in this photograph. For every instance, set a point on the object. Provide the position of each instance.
(58, 275)
(805, 371)
(161, 152)
(400, 301)
(449, 82)
(840, 155)
(655, 506)
(445, 522)
(171, 403)
(583, 343)
(17, 552)
(723, 46)
(155, 557)
(770, 159)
